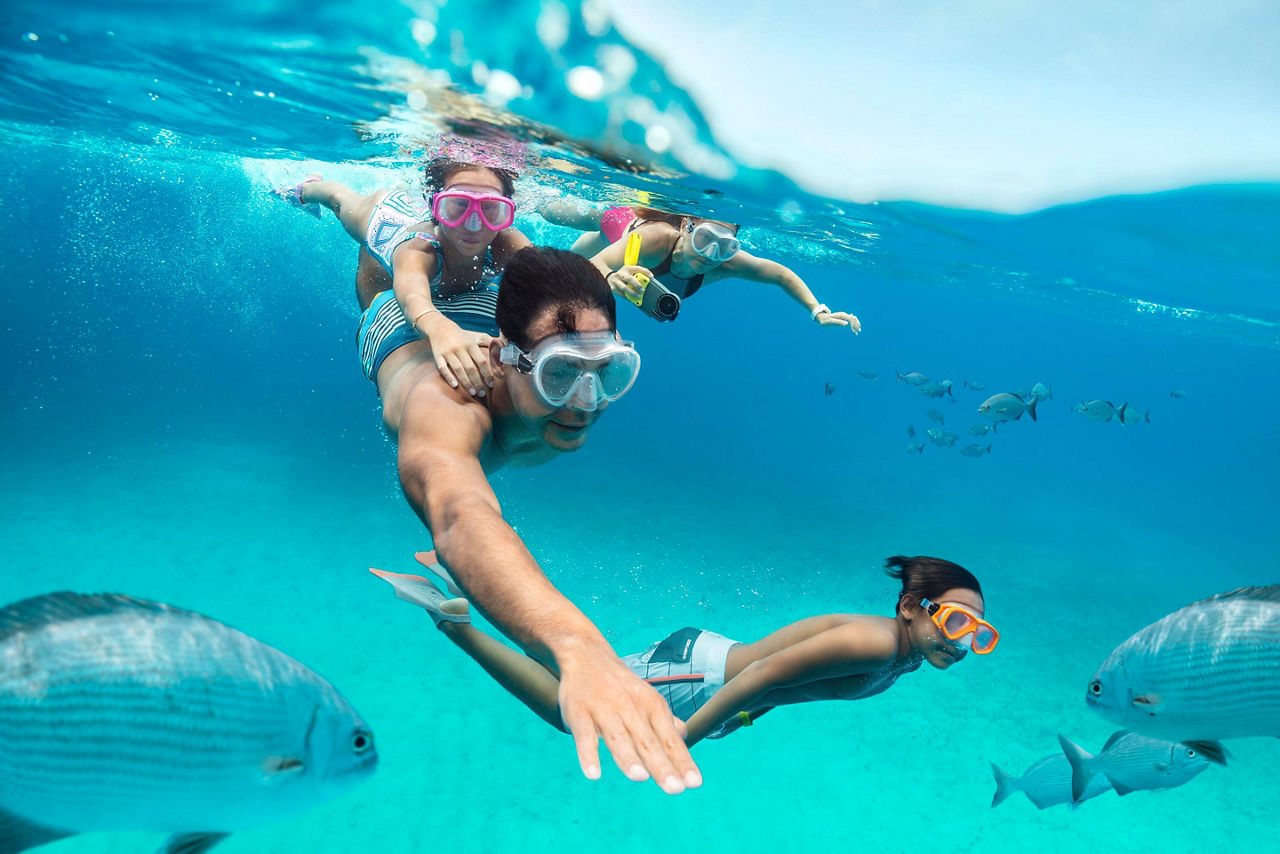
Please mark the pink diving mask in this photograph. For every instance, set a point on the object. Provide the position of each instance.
(473, 211)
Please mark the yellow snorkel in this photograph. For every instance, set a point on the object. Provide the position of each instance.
(631, 257)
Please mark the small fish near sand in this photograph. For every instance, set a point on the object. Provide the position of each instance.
(1099, 410)
(1046, 784)
(123, 714)
(1203, 673)
(913, 378)
(828, 390)
(935, 416)
(1007, 407)
(868, 375)
(935, 389)
(1132, 763)
(980, 429)
(975, 450)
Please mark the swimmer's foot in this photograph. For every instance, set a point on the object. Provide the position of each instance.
(433, 566)
(293, 195)
(424, 594)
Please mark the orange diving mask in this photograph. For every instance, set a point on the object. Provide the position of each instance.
(957, 623)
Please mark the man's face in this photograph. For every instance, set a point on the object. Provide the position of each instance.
(565, 427)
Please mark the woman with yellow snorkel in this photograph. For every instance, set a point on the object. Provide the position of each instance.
(716, 685)
(682, 253)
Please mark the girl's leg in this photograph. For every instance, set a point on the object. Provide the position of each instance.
(352, 209)
(590, 244)
(371, 278)
(526, 679)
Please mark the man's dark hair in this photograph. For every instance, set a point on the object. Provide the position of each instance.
(929, 577)
(538, 280)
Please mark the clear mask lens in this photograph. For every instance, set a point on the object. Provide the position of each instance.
(713, 242)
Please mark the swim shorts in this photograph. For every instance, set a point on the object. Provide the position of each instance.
(687, 669)
(384, 328)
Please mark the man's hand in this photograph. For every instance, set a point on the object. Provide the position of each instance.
(601, 698)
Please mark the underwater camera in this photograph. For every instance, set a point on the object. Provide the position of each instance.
(659, 303)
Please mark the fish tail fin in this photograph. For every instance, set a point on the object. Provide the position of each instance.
(1004, 786)
(1031, 407)
(994, 425)
(1120, 412)
(191, 843)
(1214, 751)
(1082, 764)
(1146, 416)
(988, 449)
(899, 373)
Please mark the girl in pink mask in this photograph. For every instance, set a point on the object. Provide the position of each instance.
(429, 265)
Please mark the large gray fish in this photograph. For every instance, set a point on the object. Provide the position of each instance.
(1205, 672)
(1046, 784)
(1040, 391)
(1132, 762)
(976, 386)
(980, 429)
(1129, 415)
(912, 378)
(936, 389)
(1007, 407)
(122, 714)
(975, 450)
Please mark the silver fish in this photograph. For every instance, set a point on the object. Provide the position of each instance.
(980, 429)
(1205, 672)
(1047, 783)
(1040, 391)
(936, 416)
(122, 714)
(1177, 392)
(915, 447)
(975, 450)
(868, 375)
(1132, 762)
(941, 437)
(936, 389)
(1129, 415)
(913, 378)
(976, 386)
(1007, 407)
(1099, 410)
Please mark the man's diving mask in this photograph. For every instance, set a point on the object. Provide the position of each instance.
(580, 369)
(712, 241)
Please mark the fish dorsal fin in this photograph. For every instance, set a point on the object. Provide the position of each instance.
(18, 834)
(1115, 736)
(65, 606)
(192, 843)
(1270, 593)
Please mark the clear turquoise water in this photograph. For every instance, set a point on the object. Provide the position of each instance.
(184, 419)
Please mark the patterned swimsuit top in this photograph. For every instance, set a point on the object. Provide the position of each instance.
(490, 273)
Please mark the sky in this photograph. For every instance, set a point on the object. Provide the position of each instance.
(1002, 105)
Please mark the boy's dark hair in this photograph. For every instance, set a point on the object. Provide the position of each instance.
(929, 577)
(441, 169)
(539, 279)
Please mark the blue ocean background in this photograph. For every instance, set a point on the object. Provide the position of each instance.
(184, 419)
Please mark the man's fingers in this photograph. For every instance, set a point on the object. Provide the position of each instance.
(654, 754)
(481, 356)
(587, 742)
(617, 740)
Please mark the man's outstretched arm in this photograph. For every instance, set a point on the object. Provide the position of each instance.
(440, 440)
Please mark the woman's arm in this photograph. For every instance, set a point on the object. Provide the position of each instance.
(461, 356)
(744, 265)
(656, 242)
(847, 650)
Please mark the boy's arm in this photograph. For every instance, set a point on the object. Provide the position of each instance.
(744, 265)
(846, 650)
(441, 436)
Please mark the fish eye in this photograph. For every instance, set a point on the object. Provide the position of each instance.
(1095, 688)
(361, 741)
(1191, 754)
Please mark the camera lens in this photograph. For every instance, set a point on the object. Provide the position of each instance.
(668, 306)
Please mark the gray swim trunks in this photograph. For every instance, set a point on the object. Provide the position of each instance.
(687, 669)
